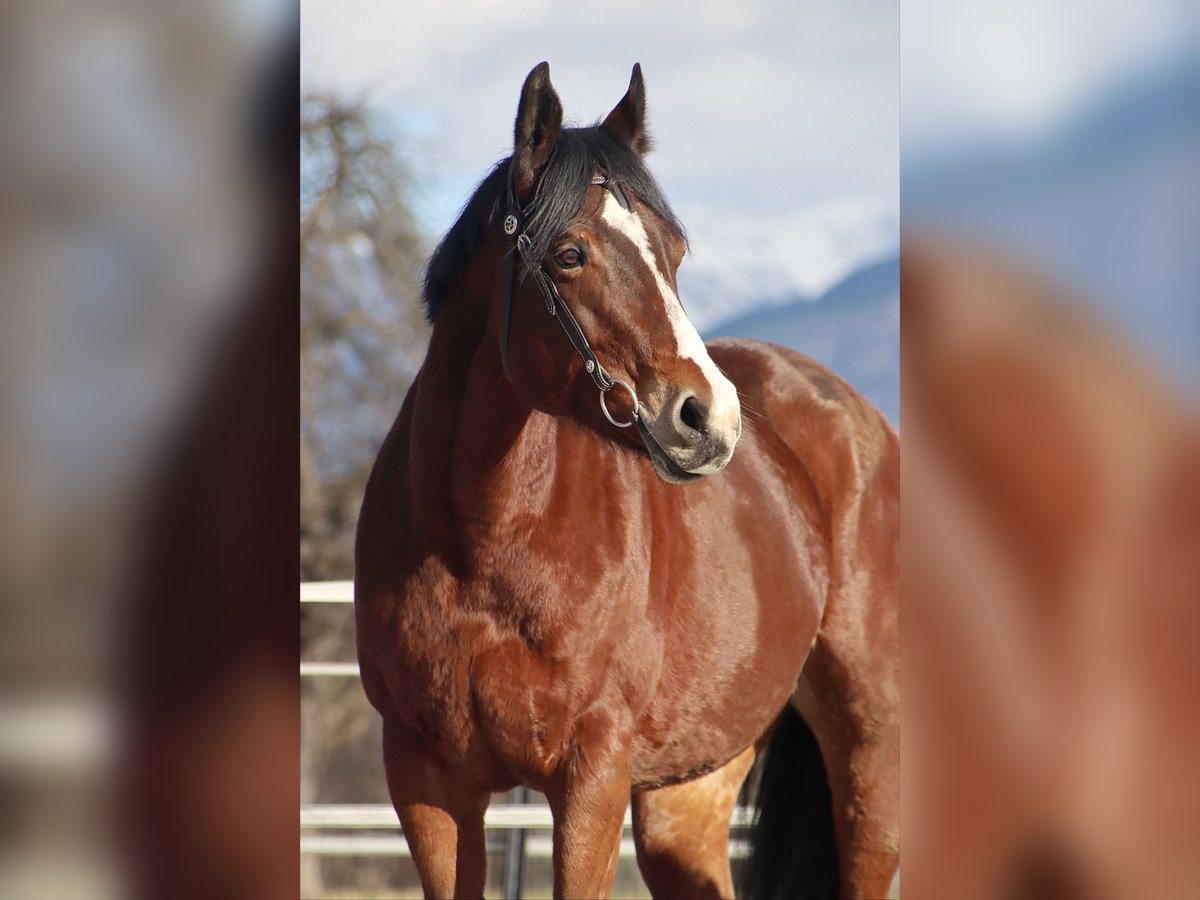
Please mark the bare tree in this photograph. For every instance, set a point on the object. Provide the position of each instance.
(362, 334)
(362, 339)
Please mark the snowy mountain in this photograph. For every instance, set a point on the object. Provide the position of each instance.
(739, 265)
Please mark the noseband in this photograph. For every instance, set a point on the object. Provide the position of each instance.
(514, 221)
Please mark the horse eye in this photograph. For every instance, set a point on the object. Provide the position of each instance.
(569, 258)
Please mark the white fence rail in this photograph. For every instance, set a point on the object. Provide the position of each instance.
(327, 592)
(498, 815)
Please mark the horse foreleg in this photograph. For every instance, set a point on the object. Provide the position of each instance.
(682, 832)
(588, 796)
(441, 814)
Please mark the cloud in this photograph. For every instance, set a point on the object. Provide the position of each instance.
(759, 108)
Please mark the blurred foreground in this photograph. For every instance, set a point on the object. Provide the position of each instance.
(148, 640)
(1051, 475)
(1051, 590)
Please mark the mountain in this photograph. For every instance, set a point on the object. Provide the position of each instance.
(739, 264)
(853, 328)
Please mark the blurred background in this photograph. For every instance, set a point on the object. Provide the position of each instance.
(776, 142)
(1070, 143)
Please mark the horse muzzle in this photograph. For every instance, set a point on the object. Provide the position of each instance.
(687, 439)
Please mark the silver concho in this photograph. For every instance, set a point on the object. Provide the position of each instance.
(510, 224)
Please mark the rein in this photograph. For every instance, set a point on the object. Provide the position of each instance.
(555, 305)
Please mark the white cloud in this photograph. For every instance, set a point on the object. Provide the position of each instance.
(759, 108)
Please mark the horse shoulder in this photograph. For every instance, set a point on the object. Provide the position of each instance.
(842, 440)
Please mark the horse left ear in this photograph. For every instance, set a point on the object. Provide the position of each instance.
(538, 125)
(627, 121)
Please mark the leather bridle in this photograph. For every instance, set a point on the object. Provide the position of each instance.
(514, 222)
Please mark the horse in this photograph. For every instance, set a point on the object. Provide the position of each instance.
(626, 602)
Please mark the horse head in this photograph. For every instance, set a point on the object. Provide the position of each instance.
(598, 247)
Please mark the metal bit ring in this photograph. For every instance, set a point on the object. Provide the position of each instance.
(636, 405)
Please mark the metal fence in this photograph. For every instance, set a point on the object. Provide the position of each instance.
(524, 829)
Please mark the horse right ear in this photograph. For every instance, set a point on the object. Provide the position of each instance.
(539, 123)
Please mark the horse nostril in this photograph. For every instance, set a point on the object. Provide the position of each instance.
(692, 414)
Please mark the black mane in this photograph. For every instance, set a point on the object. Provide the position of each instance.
(578, 153)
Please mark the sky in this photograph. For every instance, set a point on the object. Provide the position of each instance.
(1016, 72)
(759, 110)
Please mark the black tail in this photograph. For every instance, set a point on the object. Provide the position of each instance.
(792, 848)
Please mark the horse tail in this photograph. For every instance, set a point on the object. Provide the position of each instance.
(793, 853)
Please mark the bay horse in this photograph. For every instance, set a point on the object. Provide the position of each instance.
(603, 600)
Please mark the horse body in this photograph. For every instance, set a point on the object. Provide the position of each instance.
(692, 610)
(536, 604)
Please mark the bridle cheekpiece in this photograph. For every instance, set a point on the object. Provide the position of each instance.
(514, 219)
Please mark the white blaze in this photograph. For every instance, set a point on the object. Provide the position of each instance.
(724, 414)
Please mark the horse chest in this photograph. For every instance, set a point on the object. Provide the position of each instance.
(492, 689)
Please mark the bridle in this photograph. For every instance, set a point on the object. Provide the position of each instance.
(514, 221)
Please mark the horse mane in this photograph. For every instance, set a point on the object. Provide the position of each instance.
(577, 155)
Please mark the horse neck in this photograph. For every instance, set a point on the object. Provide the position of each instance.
(471, 433)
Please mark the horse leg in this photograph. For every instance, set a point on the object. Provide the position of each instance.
(859, 737)
(588, 797)
(441, 814)
(682, 832)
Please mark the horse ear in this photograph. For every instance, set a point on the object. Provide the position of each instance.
(539, 122)
(627, 121)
